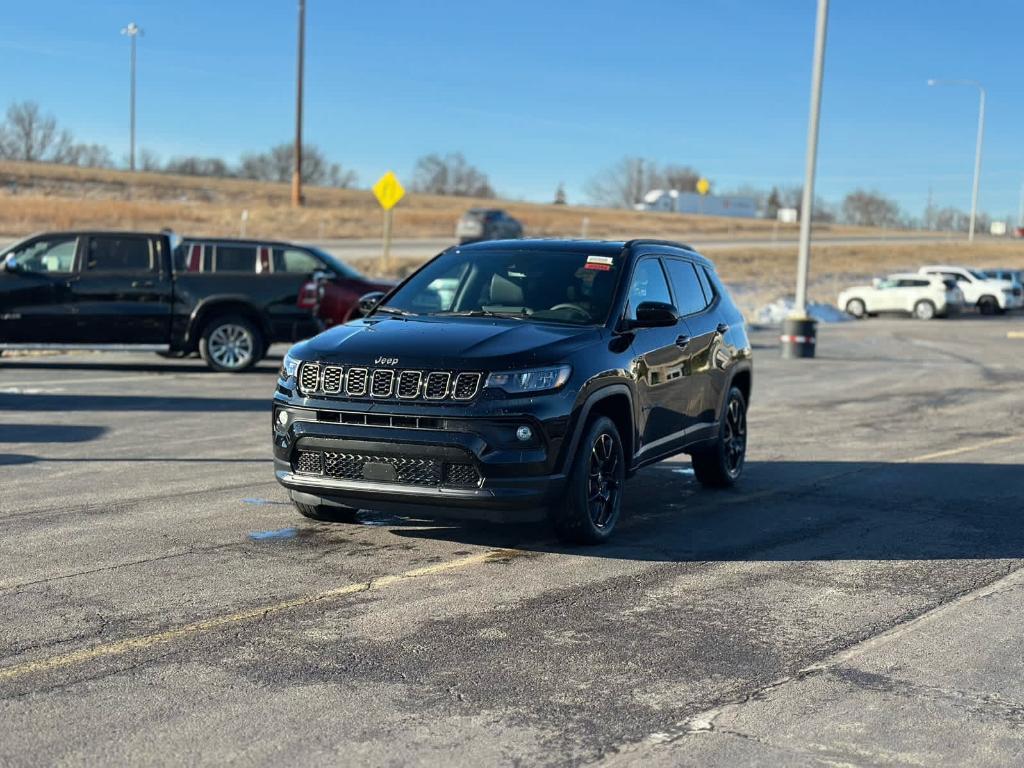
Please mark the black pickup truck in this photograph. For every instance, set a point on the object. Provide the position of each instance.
(142, 291)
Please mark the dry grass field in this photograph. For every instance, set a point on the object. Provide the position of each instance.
(35, 196)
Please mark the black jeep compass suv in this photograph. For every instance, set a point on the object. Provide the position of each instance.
(518, 380)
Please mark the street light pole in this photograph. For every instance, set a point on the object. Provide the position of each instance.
(804, 258)
(977, 147)
(297, 171)
(132, 31)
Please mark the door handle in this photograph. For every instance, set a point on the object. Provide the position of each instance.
(142, 283)
(682, 341)
(723, 328)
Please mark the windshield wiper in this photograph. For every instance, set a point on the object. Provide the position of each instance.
(393, 311)
(485, 313)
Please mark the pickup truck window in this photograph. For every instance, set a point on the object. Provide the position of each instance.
(294, 261)
(235, 258)
(118, 254)
(56, 254)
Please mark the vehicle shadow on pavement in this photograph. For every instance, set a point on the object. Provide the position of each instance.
(50, 433)
(795, 511)
(269, 364)
(67, 403)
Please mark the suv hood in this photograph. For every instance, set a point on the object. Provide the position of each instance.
(483, 344)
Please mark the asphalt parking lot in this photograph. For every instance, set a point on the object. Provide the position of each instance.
(856, 600)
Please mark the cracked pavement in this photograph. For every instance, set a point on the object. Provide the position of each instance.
(855, 601)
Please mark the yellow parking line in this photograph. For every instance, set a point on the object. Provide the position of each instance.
(1015, 334)
(965, 449)
(218, 622)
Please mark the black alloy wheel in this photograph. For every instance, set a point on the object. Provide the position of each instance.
(592, 504)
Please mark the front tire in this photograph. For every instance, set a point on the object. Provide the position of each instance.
(988, 305)
(856, 308)
(720, 464)
(327, 514)
(924, 310)
(231, 344)
(593, 498)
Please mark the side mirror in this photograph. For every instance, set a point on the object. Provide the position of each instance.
(655, 314)
(368, 301)
(320, 275)
(11, 264)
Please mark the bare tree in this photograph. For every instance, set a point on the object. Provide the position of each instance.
(450, 174)
(27, 134)
(870, 209)
(190, 165)
(679, 177)
(622, 185)
(276, 165)
(793, 197)
(149, 160)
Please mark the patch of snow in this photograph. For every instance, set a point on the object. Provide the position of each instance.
(777, 311)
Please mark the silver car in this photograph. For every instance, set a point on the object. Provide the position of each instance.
(487, 224)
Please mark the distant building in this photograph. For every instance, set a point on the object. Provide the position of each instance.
(674, 201)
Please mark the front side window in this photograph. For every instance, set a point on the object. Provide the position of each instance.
(55, 254)
(118, 254)
(294, 261)
(550, 286)
(690, 297)
(648, 285)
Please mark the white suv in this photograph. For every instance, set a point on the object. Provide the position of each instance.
(988, 295)
(923, 296)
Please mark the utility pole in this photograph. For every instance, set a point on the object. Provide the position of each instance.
(132, 31)
(297, 171)
(799, 332)
(977, 146)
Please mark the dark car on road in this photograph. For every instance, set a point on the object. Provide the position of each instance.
(228, 300)
(517, 381)
(330, 288)
(487, 224)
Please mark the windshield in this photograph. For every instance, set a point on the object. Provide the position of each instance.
(980, 275)
(336, 264)
(539, 285)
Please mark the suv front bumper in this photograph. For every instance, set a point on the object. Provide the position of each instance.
(458, 474)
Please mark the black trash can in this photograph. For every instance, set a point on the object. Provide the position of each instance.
(799, 337)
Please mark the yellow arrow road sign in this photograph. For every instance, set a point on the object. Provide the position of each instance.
(388, 190)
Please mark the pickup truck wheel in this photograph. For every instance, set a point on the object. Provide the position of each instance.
(924, 310)
(231, 343)
(593, 498)
(327, 514)
(856, 308)
(720, 464)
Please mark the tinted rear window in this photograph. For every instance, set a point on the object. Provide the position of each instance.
(118, 254)
(235, 258)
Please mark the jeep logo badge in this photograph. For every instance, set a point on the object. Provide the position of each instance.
(386, 361)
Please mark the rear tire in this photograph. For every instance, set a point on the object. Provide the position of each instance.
(720, 464)
(231, 344)
(924, 310)
(592, 503)
(856, 308)
(327, 514)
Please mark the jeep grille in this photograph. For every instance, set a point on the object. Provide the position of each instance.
(387, 383)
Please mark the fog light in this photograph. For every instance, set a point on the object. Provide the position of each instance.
(524, 433)
(282, 418)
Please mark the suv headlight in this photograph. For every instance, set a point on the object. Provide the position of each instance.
(289, 366)
(532, 380)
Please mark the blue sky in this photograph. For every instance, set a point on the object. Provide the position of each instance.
(536, 93)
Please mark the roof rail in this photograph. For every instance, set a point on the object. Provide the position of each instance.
(654, 241)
